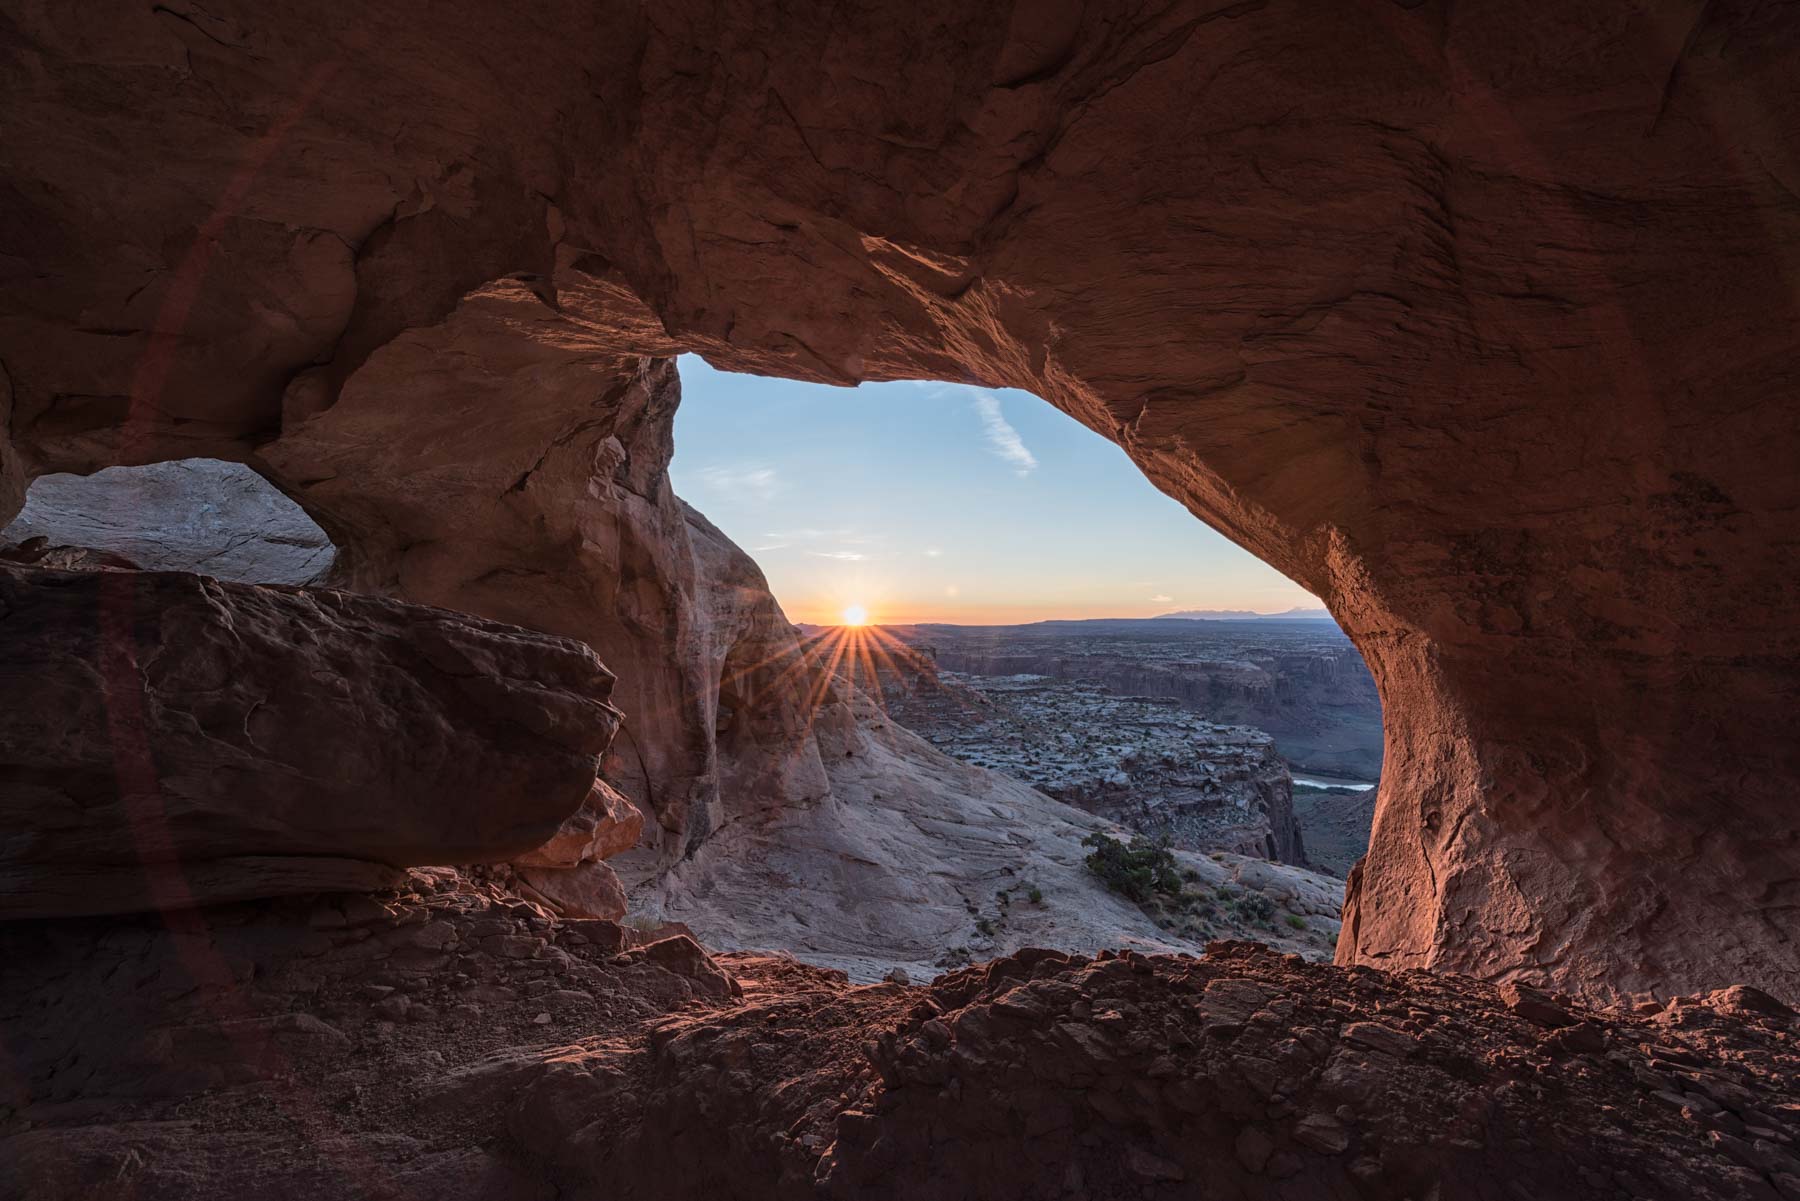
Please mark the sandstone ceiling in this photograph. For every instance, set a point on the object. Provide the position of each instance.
(1477, 321)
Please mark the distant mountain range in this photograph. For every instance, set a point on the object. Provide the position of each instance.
(1319, 614)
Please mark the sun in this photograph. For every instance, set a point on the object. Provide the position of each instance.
(856, 615)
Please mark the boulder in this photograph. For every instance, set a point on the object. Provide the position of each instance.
(588, 890)
(606, 825)
(170, 739)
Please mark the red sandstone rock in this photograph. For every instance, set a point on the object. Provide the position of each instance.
(1533, 1005)
(605, 825)
(1484, 332)
(532, 488)
(169, 739)
(585, 890)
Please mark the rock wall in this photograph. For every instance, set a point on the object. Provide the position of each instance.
(1477, 322)
(499, 462)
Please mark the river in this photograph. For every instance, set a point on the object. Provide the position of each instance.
(1322, 781)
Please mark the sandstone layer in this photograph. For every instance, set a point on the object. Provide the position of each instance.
(170, 740)
(500, 462)
(1477, 321)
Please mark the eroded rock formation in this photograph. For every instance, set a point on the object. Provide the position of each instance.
(1476, 321)
(171, 740)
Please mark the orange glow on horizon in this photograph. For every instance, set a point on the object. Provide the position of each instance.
(826, 613)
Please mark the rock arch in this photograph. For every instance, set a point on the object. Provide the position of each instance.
(1480, 324)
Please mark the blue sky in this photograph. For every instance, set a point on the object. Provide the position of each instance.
(941, 502)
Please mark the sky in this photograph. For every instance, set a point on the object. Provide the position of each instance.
(936, 502)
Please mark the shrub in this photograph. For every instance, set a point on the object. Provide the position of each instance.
(1139, 871)
(1296, 921)
(1256, 907)
(986, 927)
(1036, 894)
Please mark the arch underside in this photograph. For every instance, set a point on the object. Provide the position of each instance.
(1485, 334)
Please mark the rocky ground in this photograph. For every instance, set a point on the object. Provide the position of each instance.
(452, 1041)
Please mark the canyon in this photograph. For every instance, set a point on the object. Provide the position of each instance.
(1141, 761)
(1476, 323)
(1301, 681)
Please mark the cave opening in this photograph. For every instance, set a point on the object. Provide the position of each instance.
(1098, 644)
(977, 641)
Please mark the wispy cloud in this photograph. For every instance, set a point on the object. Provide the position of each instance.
(843, 556)
(813, 534)
(934, 552)
(1002, 439)
(742, 481)
(1162, 600)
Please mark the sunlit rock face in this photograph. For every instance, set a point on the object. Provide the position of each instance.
(1484, 332)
